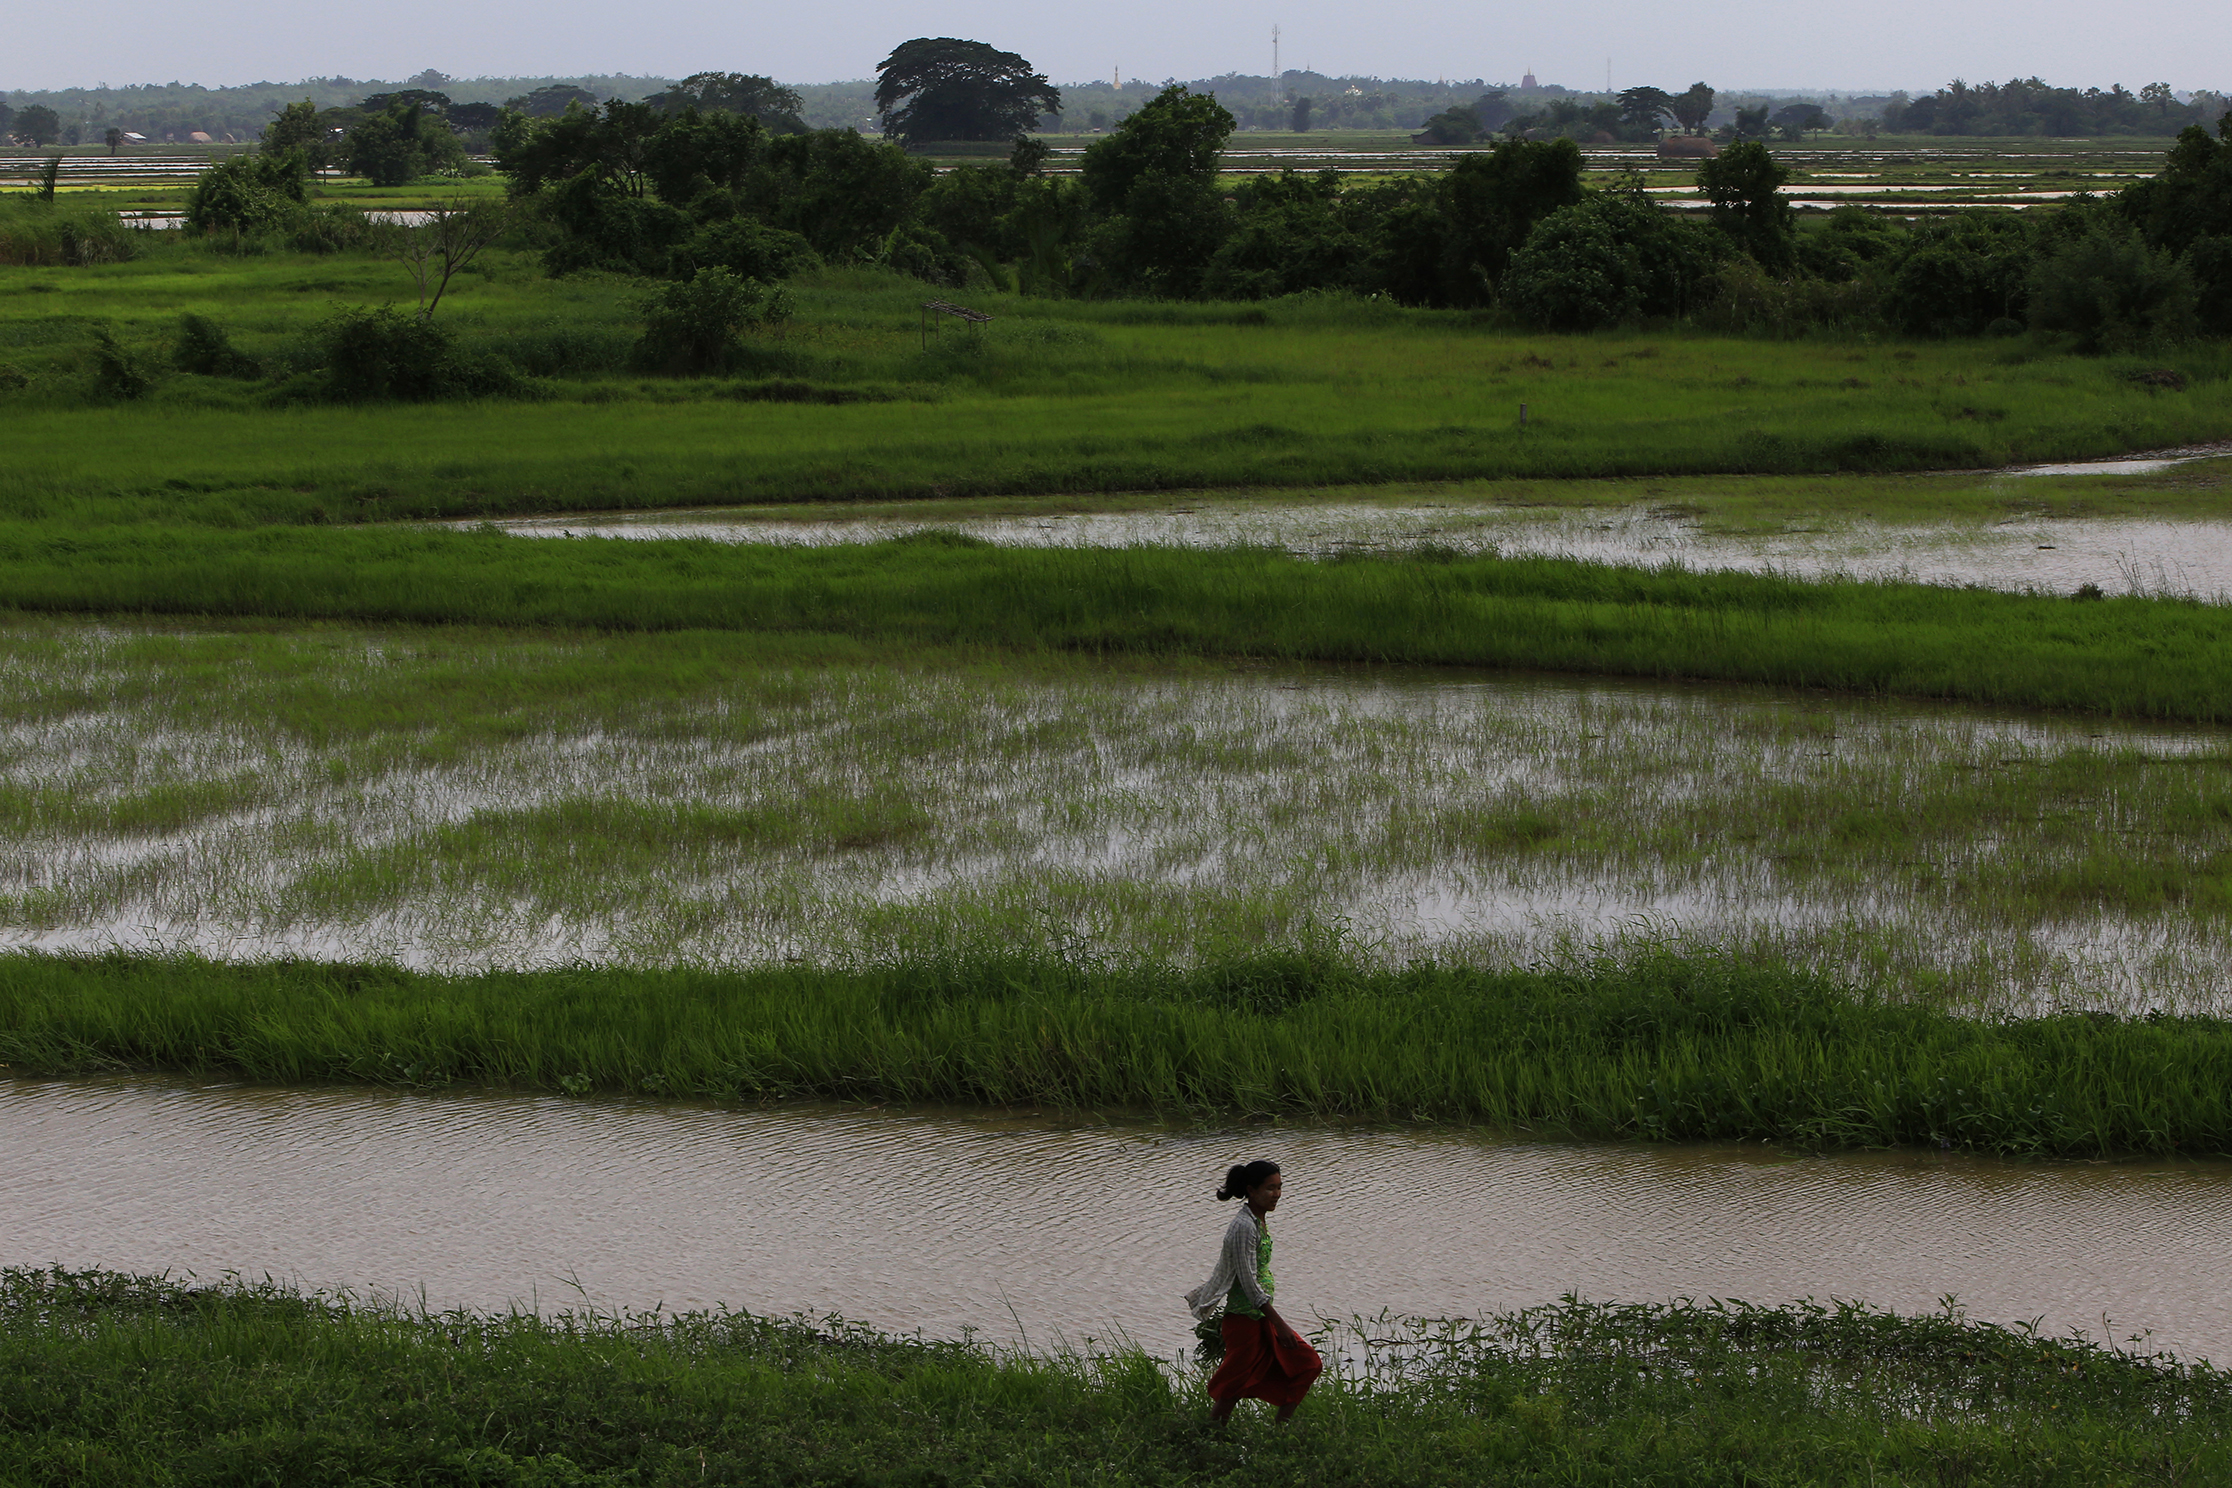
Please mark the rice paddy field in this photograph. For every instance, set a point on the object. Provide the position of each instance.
(1238, 721)
(451, 798)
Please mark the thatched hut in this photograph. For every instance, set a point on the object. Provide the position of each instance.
(1687, 147)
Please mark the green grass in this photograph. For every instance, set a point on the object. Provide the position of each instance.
(1660, 1048)
(114, 1379)
(2128, 656)
(1054, 396)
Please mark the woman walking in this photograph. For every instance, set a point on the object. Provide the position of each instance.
(1264, 1359)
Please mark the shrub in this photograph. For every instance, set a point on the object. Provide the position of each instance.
(747, 249)
(1961, 275)
(248, 194)
(204, 347)
(2209, 261)
(118, 372)
(374, 355)
(2112, 292)
(1606, 259)
(698, 325)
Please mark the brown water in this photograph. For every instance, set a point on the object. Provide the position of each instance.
(950, 1223)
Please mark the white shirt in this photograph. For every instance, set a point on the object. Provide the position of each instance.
(1236, 1265)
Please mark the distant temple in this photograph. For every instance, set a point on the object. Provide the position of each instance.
(1528, 81)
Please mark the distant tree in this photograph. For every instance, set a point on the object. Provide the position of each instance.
(2113, 293)
(1028, 158)
(549, 102)
(248, 193)
(1744, 184)
(1456, 126)
(1796, 118)
(114, 139)
(1155, 182)
(1751, 124)
(943, 88)
(1645, 108)
(1178, 134)
(299, 127)
(1299, 119)
(424, 99)
(37, 125)
(2160, 96)
(432, 78)
(7, 122)
(472, 118)
(1490, 202)
(1693, 108)
(400, 144)
(763, 98)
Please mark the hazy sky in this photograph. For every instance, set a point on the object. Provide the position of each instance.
(1912, 44)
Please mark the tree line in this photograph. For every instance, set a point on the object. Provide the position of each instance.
(671, 194)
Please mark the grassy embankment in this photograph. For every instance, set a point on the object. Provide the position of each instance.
(1054, 396)
(116, 1379)
(1658, 1048)
(2128, 656)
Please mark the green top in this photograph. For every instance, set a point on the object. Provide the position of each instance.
(1237, 1303)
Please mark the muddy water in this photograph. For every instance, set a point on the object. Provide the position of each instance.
(950, 1223)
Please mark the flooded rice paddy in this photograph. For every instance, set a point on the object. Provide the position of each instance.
(2119, 555)
(457, 799)
(1024, 1231)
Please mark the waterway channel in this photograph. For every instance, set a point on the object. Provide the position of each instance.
(1034, 1230)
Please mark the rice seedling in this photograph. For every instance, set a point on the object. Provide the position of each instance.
(451, 798)
(132, 1379)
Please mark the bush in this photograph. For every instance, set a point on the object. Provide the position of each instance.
(747, 249)
(1960, 276)
(118, 372)
(204, 347)
(375, 355)
(697, 326)
(2112, 292)
(248, 194)
(2209, 261)
(1606, 259)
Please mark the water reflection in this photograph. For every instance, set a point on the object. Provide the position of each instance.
(1015, 1227)
(2119, 555)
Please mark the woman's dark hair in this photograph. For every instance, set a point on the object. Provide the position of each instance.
(1241, 1177)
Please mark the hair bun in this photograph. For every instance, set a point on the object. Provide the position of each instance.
(1241, 1177)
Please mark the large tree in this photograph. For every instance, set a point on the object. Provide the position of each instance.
(37, 125)
(762, 98)
(942, 88)
(1693, 108)
(400, 144)
(1643, 108)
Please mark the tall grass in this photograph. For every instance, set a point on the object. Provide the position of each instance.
(65, 232)
(1658, 1047)
(114, 1379)
(2134, 657)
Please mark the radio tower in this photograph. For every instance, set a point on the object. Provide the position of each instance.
(1274, 54)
